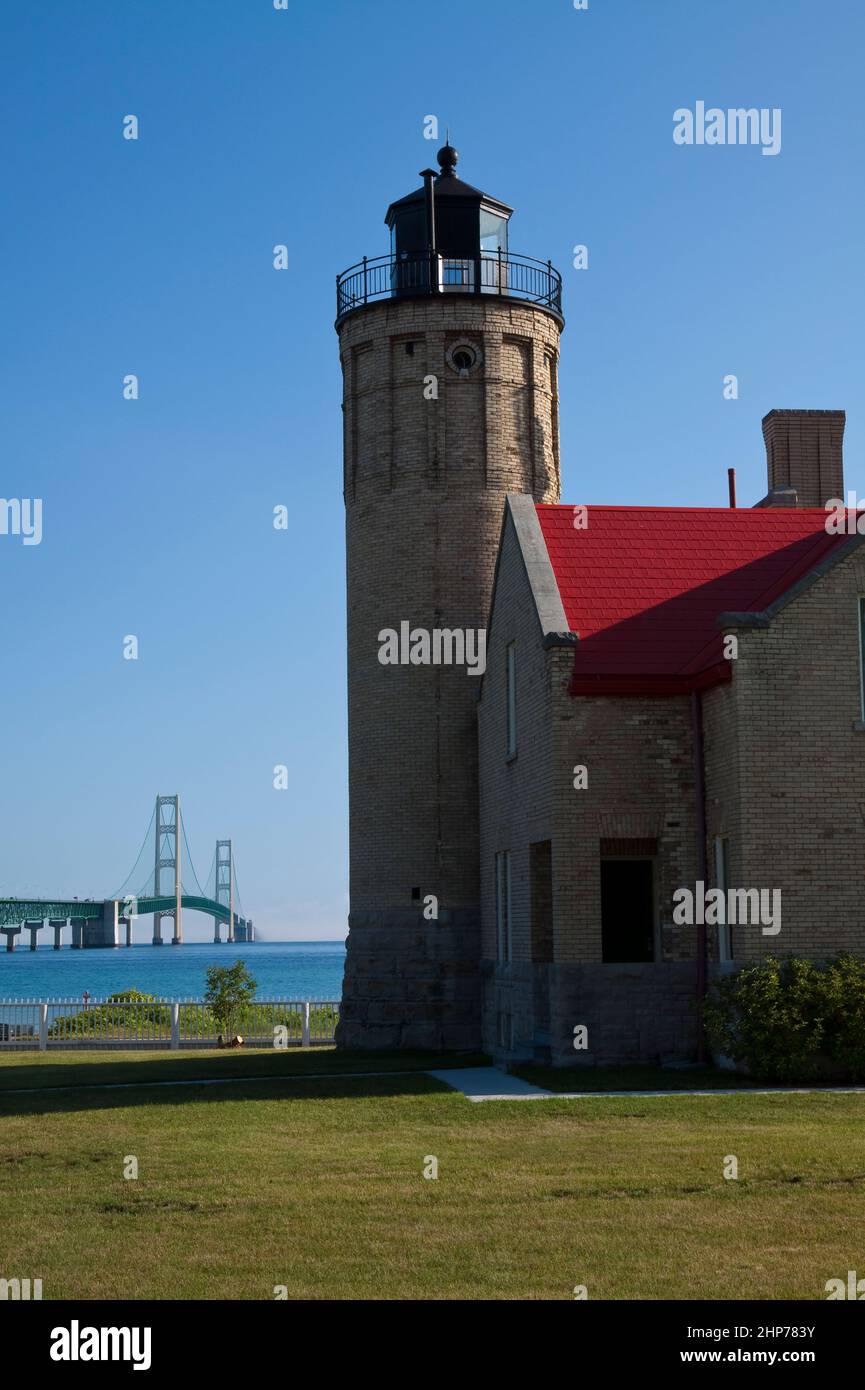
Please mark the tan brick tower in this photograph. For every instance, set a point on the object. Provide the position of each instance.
(449, 349)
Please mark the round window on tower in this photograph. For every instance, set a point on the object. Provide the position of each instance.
(463, 357)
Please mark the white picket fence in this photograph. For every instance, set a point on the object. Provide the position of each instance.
(40, 1024)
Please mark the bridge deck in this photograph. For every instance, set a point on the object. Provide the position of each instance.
(15, 911)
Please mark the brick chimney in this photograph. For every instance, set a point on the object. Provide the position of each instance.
(804, 454)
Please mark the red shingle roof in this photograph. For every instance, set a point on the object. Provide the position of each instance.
(643, 586)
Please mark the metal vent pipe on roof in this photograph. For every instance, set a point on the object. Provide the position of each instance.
(429, 176)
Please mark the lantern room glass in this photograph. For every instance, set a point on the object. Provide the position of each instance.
(493, 233)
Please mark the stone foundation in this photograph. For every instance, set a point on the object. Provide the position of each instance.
(410, 983)
(633, 1013)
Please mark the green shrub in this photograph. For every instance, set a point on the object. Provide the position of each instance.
(230, 990)
(845, 1015)
(139, 1010)
(792, 1020)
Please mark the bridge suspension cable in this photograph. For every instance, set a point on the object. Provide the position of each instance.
(189, 858)
(121, 893)
(238, 904)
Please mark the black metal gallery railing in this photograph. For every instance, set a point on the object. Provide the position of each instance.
(390, 277)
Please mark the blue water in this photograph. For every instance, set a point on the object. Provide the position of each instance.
(282, 970)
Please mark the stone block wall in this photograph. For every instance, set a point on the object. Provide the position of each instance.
(410, 983)
(641, 1013)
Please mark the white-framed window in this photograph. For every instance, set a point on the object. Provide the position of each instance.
(862, 657)
(503, 904)
(511, 677)
(722, 881)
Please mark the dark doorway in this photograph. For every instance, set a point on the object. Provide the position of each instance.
(627, 910)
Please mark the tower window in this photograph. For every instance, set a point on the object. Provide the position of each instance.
(463, 357)
(457, 274)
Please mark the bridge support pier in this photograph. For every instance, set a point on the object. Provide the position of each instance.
(77, 935)
(34, 928)
(127, 922)
(102, 930)
(10, 934)
(58, 928)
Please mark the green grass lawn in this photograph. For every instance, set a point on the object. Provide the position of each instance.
(316, 1183)
(102, 1068)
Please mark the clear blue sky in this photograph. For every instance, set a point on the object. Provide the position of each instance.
(154, 257)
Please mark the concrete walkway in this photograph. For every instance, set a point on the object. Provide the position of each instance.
(488, 1083)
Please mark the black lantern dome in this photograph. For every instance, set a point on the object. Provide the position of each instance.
(465, 222)
(448, 238)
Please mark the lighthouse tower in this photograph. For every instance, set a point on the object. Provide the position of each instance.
(449, 349)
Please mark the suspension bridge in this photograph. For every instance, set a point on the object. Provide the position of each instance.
(162, 882)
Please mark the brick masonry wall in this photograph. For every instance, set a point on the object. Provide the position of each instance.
(515, 793)
(792, 795)
(804, 450)
(425, 482)
(722, 754)
(639, 756)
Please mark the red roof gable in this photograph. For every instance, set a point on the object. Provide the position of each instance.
(643, 586)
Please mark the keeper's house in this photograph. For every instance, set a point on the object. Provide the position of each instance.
(673, 700)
